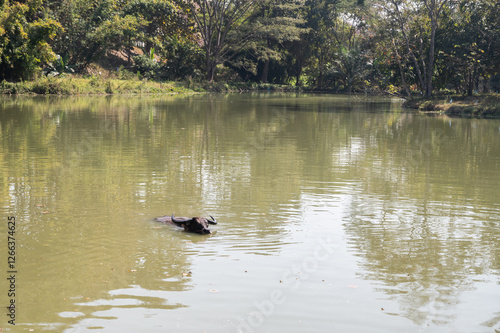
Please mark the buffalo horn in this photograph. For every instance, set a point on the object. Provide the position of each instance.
(177, 221)
(214, 221)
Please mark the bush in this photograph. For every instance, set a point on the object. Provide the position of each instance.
(124, 74)
(148, 67)
(25, 39)
(49, 86)
(426, 106)
(184, 59)
(109, 88)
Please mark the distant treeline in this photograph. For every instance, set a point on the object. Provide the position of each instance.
(400, 46)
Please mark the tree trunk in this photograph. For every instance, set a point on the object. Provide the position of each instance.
(211, 64)
(129, 49)
(147, 47)
(401, 70)
(430, 65)
(265, 71)
(434, 7)
(297, 77)
(319, 84)
(211, 71)
(470, 84)
(403, 80)
(424, 69)
(415, 61)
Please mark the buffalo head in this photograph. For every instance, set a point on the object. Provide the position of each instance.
(197, 225)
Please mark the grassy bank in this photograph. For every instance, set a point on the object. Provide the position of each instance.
(247, 86)
(94, 85)
(97, 85)
(481, 106)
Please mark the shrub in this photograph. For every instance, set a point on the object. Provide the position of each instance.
(147, 66)
(124, 74)
(109, 88)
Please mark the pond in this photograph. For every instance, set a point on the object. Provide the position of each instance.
(336, 214)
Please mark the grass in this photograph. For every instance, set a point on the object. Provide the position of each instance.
(93, 85)
(485, 105)
(247, 86)
(477, 106)
(101, 85)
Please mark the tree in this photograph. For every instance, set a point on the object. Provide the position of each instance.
(413, 19)
(351, 66)
(469, 41)
(278, 22)
(168, 34)
(299, 56)
(183, 58)
(25, 34)
(338, 30)
(223, 28)
(93, 28)
(434, 9)
(391, 61)
(163, 19)
(321, 15)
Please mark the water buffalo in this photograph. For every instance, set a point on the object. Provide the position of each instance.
(197, 225)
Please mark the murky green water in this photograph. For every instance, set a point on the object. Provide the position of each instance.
(336, 214)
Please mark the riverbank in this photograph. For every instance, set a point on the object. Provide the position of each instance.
(481, 106)
(93, 85)
(97, 85)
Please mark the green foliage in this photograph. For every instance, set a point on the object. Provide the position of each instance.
(109, 88)
(48, 86)
(470, 42)
(148, 67)
(58, 66)
(25, 34)
(224, 28)
(278, 24)
(124, 74)
(162, 19)
(115, 32)
(94, 28)
(90, 85)
(351, 67)
(342, 45)
(184, 58)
